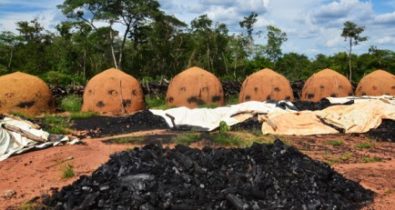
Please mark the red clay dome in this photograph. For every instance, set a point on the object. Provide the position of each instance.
(376, 83)
(194, 87)
(265, 84)
(24, 93)
(326, 83)
(113, 92)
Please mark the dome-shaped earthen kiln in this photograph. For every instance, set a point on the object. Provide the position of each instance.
(193, 87)
(265, 84)
(113, 92)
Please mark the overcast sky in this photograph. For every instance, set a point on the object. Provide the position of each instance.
(312, 26)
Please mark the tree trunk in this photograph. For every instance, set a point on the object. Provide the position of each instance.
(349, 61)
(10, 61)
(225, 62)
(112, 48)
(84, 68)
(123, 44)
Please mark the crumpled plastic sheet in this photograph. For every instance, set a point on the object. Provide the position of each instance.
(25, 136)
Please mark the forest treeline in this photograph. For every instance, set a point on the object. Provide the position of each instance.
(151, 44)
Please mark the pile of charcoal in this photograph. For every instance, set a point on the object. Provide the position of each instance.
(260, 177)
(385, 132)
(313, 106)
(98, 126)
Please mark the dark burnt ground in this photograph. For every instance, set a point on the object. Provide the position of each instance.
(385, 132)
(313, 106)
(261, 177)
(251, 124)
(99, 126)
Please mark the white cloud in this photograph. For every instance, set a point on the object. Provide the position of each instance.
(313, 26)
(387, 18)
(386, 40)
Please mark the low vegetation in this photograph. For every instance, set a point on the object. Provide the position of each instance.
(155, 102)
(71, 103)
(56, 124)
(367, 159)
(364, 145)
(81, 115)
(68, 171)
(335, 143)
(126, 140)
(187, 138)
(31, 206)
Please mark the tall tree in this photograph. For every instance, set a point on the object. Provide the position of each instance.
(275, 38)
(352, 34)
(248, 24)
(33, 46)
(132, 14)
(8, 42)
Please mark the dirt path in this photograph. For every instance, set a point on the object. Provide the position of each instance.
(32, 174)
(378, 177)
(35, 173)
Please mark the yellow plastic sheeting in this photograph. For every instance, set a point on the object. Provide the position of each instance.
(356, 118)
(359, 117)
(295, 123)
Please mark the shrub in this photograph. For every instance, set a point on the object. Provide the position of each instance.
(59, 78)
(68, 171)
(155, 102)
(71, 103)
(223, 127)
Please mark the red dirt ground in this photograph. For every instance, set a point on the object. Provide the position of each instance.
(36, 173)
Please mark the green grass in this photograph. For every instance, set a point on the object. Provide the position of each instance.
(31, 206)
(335, 143)
(82, 115)
(22, 115)
(71, 103)
(154, 102)
(365, 145)
(126, 140)
(227, 139)
(56, 124)
(68, 171)
(233, 99)
(332, 159)
(346, 156)
(367, 159)
(187, 138)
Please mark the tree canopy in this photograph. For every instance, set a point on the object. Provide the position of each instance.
(141, 39)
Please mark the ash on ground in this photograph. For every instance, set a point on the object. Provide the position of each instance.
(260, 177)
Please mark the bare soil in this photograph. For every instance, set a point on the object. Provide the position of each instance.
(357, 157)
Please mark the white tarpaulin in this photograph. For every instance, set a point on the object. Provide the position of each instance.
(209, 119)
(343, 100)
(18, 136)
(366, 113)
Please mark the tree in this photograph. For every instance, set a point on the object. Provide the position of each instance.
(248, 24)
(294, 66)
(352, 34)
(8, 42)
(132, 14)
(30, 54)
(275, 38)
